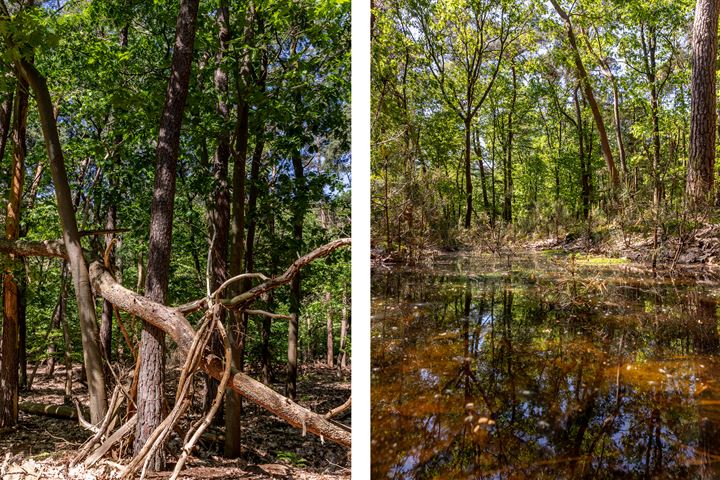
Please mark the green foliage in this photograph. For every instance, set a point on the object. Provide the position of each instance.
(109, 96)
(529, 148)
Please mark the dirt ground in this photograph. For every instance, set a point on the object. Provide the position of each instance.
(41, 447)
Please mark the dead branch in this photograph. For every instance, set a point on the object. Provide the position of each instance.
(115, 402)
(187, 448)
(173, 322)
(112, 440)
(263, 313)
(245, 298)
(236, 278)
(338, 410)
(81, 419)
(55, 411)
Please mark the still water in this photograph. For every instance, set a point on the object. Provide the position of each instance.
(547, 367)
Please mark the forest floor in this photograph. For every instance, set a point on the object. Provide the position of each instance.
(41, 447)
(699, 247)
(695, 252)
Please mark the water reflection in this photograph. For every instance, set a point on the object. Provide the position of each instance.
(588, 374)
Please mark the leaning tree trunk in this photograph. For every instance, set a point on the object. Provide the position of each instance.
(589, 95)
(78, 267)
(152, 364)
(701, 162)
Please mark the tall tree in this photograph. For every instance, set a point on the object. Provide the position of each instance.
(465, 45)
(152, 364)
(703, 99)
(12, 288)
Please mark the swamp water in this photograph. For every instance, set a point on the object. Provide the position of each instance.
(550, 368)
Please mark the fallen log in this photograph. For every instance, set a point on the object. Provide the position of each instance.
(55, 411)
(173, 322)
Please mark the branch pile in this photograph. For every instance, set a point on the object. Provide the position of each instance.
(192, 344)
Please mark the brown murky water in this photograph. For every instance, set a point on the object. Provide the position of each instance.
(552, 368)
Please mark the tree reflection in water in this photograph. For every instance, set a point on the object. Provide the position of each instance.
(521, 375)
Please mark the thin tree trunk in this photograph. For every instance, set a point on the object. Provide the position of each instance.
(468, 173)
(481, 165)
(701, 162)
(507, 205)
(111, 223)
(295, 293)
(57, 320)
(343, 333)
(107, 311)
(5, 117)
(67, 341)
(330, 349)
(152, 365)
(584, 180)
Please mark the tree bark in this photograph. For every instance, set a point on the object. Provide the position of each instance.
(589, 95)
(330, 352)
(152, 364)
(5, 117)
(78, 268)
(345, 323)
(110, 224)
(701, 162)
(468, 174)
(295, 292)
(584, 179)
(12, 288)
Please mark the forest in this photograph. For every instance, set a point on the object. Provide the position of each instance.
(543, 120)
(545, 239)
(175, 263)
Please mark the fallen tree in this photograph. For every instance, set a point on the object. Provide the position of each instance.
(173, 322)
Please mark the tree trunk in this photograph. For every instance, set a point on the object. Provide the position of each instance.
(701, 162)
(584, 179)
(152, 364)
(589, 95)
(111, 223)
(78, 268)
(330, 352)
(57, 320)
(468, 173)
(507, 205)
(107, 311)
(343, 333)
(5, 117)
(481, 166)
(295, 293)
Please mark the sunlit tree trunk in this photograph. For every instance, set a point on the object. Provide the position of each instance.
(329, 327)
(152, 364)
(701, 162)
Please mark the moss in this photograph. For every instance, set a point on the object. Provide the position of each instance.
(554, 251)
(600, 260)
